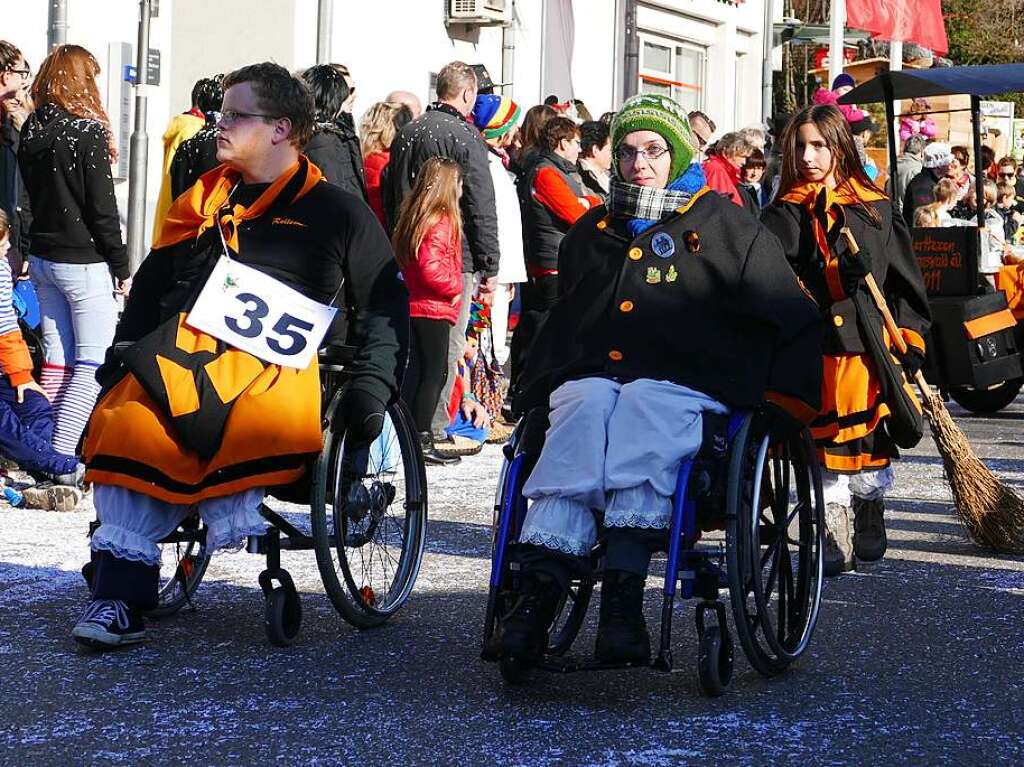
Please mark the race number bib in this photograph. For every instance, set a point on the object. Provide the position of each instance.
(254, 312)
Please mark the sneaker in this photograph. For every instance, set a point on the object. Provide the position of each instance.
(524, 634)
(869, 539)
(838, 553)
(108, 623)
(621, 630)
(48, 497)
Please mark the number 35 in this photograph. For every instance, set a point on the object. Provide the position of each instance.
(287, 327)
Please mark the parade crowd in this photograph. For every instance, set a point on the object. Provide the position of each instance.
(487, 260)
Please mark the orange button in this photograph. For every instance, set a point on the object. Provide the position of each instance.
(636, 254)
(626, 306)
(615, 355)
(837, 321)
(602, 224)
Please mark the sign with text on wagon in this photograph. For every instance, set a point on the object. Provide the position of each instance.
(948, 257)
(254, 312)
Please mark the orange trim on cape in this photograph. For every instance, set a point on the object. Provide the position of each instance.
(196, 210)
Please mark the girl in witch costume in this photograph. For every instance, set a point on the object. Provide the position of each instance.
(864, 393)
(673, 304)
(191, 424)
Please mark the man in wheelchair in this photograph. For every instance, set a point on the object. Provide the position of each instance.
(673, 302)
(197, 421)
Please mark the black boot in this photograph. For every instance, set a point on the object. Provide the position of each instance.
(524, 634)
(431, 456)
(622, 631)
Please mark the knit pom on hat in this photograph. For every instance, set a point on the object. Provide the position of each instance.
(654, 112)
(843, 79)
(495, 115)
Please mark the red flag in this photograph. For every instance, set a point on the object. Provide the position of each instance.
(915, 21)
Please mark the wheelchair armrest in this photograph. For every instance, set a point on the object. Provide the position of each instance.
(337, 354)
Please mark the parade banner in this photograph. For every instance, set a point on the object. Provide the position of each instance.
(948, 258)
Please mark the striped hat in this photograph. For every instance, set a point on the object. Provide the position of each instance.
(654, 112)
(495, 115)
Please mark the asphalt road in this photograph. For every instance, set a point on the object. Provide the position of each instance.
(916, 660)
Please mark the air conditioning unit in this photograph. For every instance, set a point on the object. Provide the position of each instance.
(479, 12)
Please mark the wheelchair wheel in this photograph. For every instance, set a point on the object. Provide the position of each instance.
(369, 513)
(775, 523)
(184, 564)
(714, 661)
(570, 616)
(284, 616)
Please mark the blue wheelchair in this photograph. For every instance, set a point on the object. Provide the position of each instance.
(766, 493)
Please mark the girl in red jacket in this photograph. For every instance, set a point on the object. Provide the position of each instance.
(428, 246)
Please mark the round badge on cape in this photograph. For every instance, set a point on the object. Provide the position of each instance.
(663, 245)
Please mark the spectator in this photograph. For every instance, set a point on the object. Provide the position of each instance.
(755, 137)
(607, 117)
(442, 131)
(531, 137)
(595, 162)
(551, 200)
(1008, 174)
(959, 171)
(207, 95)
(1006, 206)
(407, 99)
(843, 84)
(703, 128)
(722, 169)
(195, 157)
(917, 122)
(26, 417)
(908, 165)
(750, 179)
(988, 162)
(945, 200)
(427, 243)
(862, 130)
(993, 239)
(66, 151)
(379, 126)
(927, 216)
(334, 148)
(496, 116)
(921, 189)
(14, 110)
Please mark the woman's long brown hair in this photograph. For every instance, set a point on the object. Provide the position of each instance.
(67, 78)
(836, 131)
(435, 194)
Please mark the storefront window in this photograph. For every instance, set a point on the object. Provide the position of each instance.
(674, 68)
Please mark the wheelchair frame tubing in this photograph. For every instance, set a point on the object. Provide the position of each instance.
(506, 519)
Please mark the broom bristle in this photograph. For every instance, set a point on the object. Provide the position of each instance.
(991, 512)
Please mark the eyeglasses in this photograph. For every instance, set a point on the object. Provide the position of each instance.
(26, 72)
(1007, 175)
(230, 116)
(628, 153)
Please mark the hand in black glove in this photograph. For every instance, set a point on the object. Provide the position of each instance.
(852, 270)
(362, 415)
(777, 421)
(912, 362)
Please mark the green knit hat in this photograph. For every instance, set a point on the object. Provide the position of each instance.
(651, 111)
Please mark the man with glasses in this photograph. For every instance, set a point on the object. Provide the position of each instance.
(15, 79)
(203, 421)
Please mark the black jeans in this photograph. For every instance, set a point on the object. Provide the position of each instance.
(428, 368)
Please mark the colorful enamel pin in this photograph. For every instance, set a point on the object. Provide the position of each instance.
(671, 275)
(653, 275)
(663, 245)
(692, 240)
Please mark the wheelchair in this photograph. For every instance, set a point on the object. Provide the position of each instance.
(765, 493)
(368, 513)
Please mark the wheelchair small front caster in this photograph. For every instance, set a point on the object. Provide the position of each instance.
(513, 670)
(284, 615)
(714, 661)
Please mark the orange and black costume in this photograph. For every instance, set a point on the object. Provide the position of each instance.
(185, 417)
(850, 429)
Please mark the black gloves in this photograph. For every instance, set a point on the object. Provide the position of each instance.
(912, 362)
(362, 415)
(852, 270)
(776, 421)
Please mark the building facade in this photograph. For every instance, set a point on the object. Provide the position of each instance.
(705, 53)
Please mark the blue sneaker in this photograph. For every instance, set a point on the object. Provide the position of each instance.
(107, 624)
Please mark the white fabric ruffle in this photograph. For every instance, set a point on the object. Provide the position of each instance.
(641, 506)
(561, 524)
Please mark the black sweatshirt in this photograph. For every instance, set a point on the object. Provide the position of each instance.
(194, 157)
(311, 245)
(66, 169)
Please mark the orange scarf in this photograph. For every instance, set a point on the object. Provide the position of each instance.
(196, 210)
(850, 192)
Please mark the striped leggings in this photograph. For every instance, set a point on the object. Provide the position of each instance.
(79, 315)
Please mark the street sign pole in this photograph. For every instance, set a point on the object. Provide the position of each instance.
(837, 30)
(139, 146)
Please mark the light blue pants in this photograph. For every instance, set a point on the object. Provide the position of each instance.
(79, 316)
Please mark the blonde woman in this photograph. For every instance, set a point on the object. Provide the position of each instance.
(378, 128)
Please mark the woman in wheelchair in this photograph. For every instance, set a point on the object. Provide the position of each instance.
(673, 303)
(189, 422)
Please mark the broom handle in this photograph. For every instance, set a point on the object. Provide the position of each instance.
(883, 307)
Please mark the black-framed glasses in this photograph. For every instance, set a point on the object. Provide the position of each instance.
(26, 72)
(629, 153)
(1007, 175)
(230, 116)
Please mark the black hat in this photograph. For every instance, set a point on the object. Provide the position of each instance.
(863, 124)
(484, 83)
